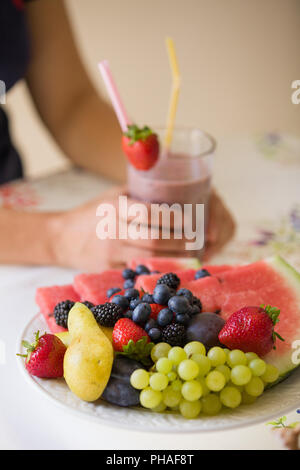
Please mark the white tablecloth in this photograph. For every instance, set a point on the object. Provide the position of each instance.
(259, 177)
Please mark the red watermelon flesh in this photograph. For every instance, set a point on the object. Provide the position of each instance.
(207, 290)
(165, 264)
(147, 282)
(215, 270)
(93, 287)
(47, 297)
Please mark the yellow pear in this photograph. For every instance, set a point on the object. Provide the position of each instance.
(65, 336)
(88, 359)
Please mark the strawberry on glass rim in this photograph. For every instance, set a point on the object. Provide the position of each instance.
(141, 147)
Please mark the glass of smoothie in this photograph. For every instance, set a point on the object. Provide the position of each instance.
(182, 175)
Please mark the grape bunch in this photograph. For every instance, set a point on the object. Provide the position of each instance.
(192, 382)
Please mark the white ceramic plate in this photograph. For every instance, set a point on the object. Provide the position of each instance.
(281, 399)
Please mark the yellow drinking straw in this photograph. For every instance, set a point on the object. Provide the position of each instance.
(174, 91)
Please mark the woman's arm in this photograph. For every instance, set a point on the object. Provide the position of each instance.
(83, 124)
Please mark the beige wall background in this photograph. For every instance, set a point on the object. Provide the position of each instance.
(238, 59)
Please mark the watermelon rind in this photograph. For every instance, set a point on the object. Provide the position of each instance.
(292, 277)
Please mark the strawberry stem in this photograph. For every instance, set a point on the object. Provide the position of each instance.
(136, 133)
(273, 313)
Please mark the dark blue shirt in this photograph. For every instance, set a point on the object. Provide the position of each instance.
(14, 58)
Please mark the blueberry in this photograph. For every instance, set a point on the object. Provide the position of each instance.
(148, 298)
(151, 323)
(164, 317)
(194, 310)
(141, 313)
(113, 291)
(141, 269)
(202, 273)
(131, 294)
(121, 301)
(128, 273)
(155, 334)
(182, 318)
(128, 314)
(128, 284)
(134, 303)
(187, 294)
(161, 294)
(178, 304)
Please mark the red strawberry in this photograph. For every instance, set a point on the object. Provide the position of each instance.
(251, 329)
(141, 147)
(126, 330)
(156, 308)
(45, 356)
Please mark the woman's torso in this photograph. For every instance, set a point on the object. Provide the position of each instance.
(14, 58)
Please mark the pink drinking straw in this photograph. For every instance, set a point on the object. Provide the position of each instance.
(114, 95)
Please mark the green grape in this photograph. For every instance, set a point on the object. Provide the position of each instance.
(225, 370)
(271, 374)
(150, 398)
(239, 387)
(217, 356)
(211, 404)
(172, 376)
(164, 365)
(203, 362)
(158, 381)
(188, 369)
(190, 409)
(215, 381)
(191, 390)
(174, 408)
(255, 387)
(176, 385)
(240, 375)
(160, 408)
(258, 367)
(177, 354)
(160, 350)
(226, 351)
(139, 379)
(171, 397)
(247, 399)
(194, 347)
(205, 389)
(231, 397)
(250, 356)
(236, 358)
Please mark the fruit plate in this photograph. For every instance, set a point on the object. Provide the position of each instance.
(281, 399)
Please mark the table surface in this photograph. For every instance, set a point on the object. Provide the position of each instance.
(259, 179)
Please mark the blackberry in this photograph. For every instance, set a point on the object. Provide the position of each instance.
(170, 279)
(174, 334)
(197, 302)
(107, 314)
(61, 312)
(88, 304)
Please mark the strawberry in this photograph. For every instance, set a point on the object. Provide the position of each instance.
(45, 356)
(156, 308)
(126, 330)
(141, 147)
(251, 329)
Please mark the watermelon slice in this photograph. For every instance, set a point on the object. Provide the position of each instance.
(93, 287)
(47, 297)
(148, 282)
(271, 281)
(214, 270)
(166, 265)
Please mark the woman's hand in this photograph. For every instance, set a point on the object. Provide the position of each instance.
(76, 243)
